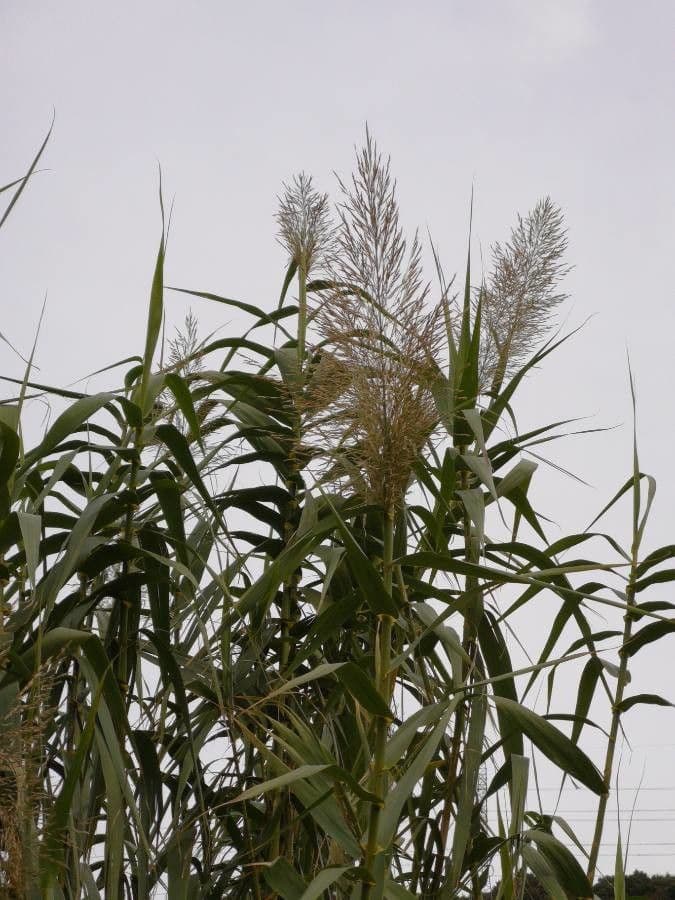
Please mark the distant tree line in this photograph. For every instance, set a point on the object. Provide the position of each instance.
(638, 885)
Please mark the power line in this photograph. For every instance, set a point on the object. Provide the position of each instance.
(624, 817)
(643, 844)
(638, 788)
(635, 855)
(642, 809)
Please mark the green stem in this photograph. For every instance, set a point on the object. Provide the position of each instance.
(302, 312)
(289, 607)
(123, 661)
(289, 600)
(421, 854)
(469, 646)
(290, 590)
(623, 675)
(379, 777)
(621, 682)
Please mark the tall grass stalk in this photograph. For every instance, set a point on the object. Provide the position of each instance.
(623, 676)
(376, 856)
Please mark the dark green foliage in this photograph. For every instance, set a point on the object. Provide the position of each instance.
(639, 884)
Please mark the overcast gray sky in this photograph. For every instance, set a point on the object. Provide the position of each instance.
(519, 97)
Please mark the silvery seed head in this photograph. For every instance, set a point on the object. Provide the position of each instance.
(376, 322)
(305, 227)
(522, 291)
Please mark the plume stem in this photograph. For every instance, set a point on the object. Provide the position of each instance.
(302, 311)
(474, 612)
(128, 535)
(383, 640)
(289, 600)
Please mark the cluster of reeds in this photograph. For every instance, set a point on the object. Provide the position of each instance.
(267, 579)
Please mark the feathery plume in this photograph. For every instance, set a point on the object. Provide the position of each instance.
(185, 357)
(305, 227)
(522, 291)
(184, 348)
(376, 322)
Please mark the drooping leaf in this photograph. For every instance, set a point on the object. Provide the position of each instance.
(179, 447)
(284, 880)
(403, 790)
(654, 631)
(324, 880)
(367, 577)
(279, 781)
(555, 746)
(649, 699)
(179, 388)
(569, 874)
(399, 742)
(31, 533)
(363, 689)
(66, 424)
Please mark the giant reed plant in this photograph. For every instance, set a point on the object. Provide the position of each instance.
(255, 611)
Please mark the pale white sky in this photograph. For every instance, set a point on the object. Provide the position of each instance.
(519, 97)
